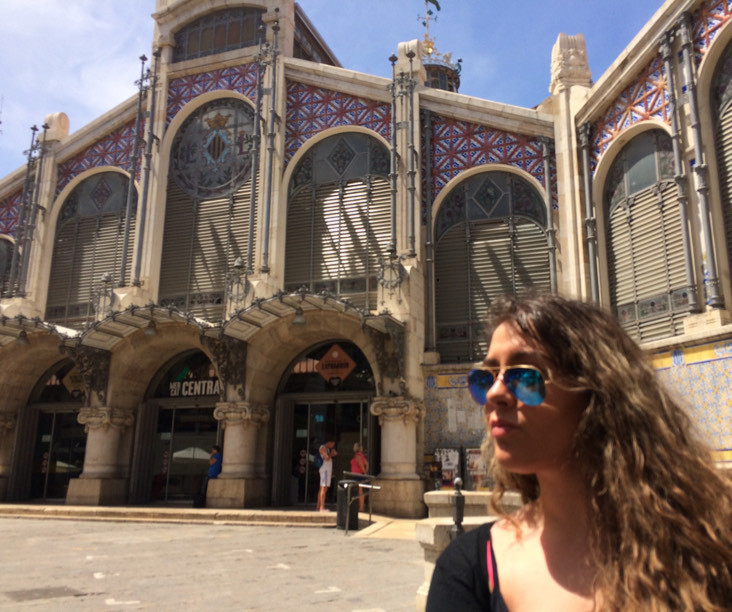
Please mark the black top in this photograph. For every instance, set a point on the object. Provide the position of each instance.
(462, 579)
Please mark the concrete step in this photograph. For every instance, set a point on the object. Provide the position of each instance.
(299, 518)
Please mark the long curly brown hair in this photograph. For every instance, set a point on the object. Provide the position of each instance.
(661, 512)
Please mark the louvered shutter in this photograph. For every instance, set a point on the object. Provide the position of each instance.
(200, 243)
(452, 301)
(531, 259)
(177, 240)
(647, 263)
(378, 233)
(299, 240)
(724, 166)
(470, 275)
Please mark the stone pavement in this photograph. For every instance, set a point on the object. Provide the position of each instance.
(157, 559)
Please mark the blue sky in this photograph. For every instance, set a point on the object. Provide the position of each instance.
(81, 56)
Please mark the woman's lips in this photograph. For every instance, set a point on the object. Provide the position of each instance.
(500, 428)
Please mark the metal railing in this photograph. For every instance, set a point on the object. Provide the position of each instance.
(363, 481)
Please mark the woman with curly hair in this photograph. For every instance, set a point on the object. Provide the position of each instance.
(623, 506)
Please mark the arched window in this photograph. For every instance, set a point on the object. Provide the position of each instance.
(338, 218)
(722, 105)
(88, 245)
(218, 32)
(490, 241)
(648, 288)
(207, 214)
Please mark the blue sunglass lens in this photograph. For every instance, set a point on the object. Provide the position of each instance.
(479, 381)
(526, 384)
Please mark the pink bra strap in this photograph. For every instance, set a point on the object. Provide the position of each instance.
(489, 563)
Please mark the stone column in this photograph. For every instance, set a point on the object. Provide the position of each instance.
(8, 422)
(100, 482)
(239, 484)
(401, 488)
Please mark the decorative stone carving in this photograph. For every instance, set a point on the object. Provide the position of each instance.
(104, 418)
(569, 63)
(230, 358)
(389, 350)
(241, 413)
(8, 421)
(93, 366)
(397, 408)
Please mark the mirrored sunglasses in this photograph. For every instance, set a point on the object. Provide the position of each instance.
(526, 383)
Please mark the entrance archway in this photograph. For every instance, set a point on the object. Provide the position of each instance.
(324, 395)
(175, 431)
(59, 443)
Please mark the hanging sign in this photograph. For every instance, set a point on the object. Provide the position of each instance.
(335, 365)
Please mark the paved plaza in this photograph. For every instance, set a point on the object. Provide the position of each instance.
(71, 564)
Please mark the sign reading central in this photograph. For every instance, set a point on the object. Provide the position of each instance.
(335, 365)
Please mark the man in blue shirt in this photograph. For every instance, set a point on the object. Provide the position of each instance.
(214, 468)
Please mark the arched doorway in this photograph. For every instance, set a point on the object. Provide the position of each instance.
(324, 395)
(59, 443)
(175, 431)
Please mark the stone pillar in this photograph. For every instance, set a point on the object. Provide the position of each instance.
(100, 482)
(8, 423)
(402, 489)
(239, 485)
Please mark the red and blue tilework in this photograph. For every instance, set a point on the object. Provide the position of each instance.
(114, 150)
(645, 98)
(242, 79)
(458, 146)
(706, 24)
(9, 212)
(311, 110)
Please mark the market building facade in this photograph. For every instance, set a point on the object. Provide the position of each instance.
(266, 250)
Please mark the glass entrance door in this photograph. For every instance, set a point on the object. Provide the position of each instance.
(58, 455)
(315, 423)
(181, 451)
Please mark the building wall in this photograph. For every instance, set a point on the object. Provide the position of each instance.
(455, 138)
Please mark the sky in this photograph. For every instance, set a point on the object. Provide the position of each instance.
(80, 57)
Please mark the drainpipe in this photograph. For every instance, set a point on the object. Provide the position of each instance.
(31, 221)
(585, 133)
(550, 231)
(393, 166)
(430, 245)
(15, 261)
(714, 299)
(148, 161)
(270, 148)
(255, 161)
(133, 173)
(412, 154)
(679, 178)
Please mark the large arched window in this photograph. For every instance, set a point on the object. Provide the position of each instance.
(338, 218)
(88, 245)
(647, 279)
(208, 209)
(490, 241)
(722, 105)
(226, 30)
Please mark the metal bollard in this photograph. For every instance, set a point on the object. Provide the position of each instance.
(458, 510)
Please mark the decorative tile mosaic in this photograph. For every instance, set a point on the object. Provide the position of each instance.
(453, 419)
(242, 79)
(645, 98)
(706, 24)
(113, 150)
(9, 211)
(458, 146)
(311, 110)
